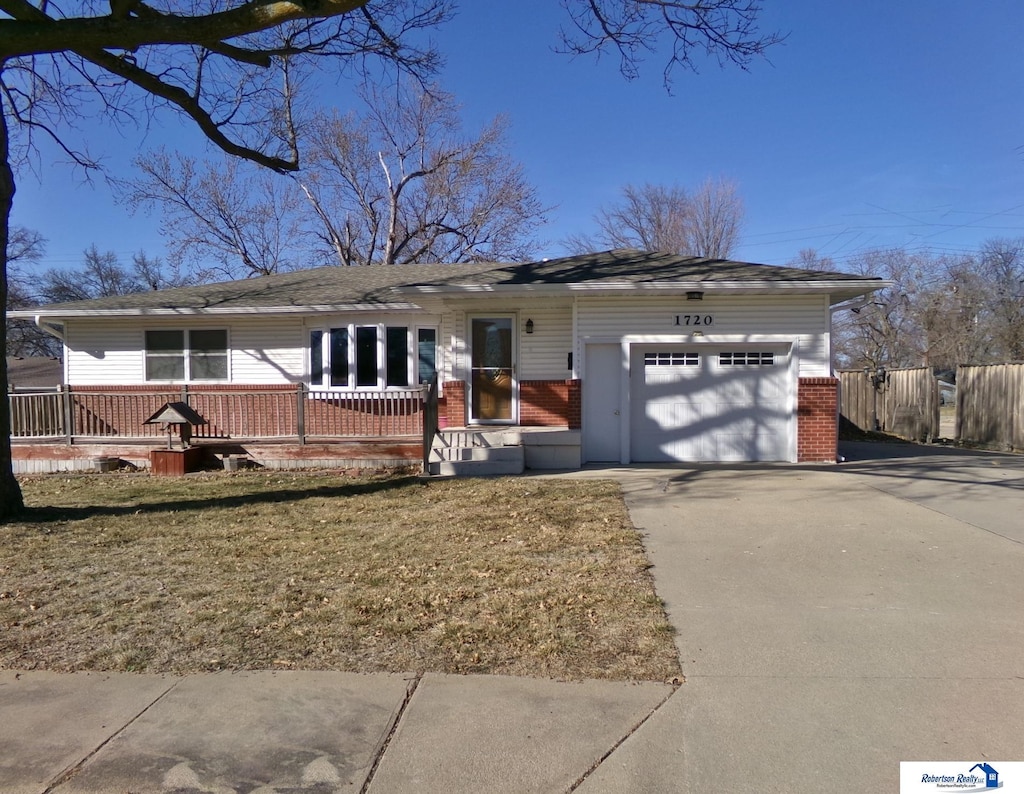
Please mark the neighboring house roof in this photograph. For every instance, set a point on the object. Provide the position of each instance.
(622, 271)
(33, 372)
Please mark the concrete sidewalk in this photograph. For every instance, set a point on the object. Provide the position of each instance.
(832, 621)
(280, 732)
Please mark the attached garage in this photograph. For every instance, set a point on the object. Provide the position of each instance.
(703, 403)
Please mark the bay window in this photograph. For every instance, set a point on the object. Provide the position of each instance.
(372, 356)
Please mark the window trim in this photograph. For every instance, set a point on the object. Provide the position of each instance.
(185, 355)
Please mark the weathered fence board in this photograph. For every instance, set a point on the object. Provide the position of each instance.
(903, 402)
(990, 405)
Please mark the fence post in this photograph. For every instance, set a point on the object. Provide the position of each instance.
(300, 413)
(429, 414)
(69, 430)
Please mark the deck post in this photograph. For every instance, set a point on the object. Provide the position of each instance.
(429, 414)
(69, 430)
(300, 412)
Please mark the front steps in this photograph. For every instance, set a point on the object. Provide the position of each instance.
(480, 452)
(476, 453)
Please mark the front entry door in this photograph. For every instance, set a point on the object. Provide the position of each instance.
(492, 370)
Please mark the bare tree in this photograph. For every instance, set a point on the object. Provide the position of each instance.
(222, 218)
(216, 69)
(668, 218)
(24, 338)
(810, 259)
(648, 217)
(723, 29)
(102, 275)
(716, 216)
(1002, 268)
(402, 183)
(887, 331)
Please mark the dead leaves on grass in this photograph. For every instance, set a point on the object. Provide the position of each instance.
(524, 577)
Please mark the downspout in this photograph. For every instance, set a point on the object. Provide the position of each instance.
(53, 329)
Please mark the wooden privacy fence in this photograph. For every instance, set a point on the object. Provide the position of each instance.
(231, 412)
(904, 402)
(990, 405)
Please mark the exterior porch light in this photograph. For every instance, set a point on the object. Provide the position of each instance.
(529, 326)
(695, 295)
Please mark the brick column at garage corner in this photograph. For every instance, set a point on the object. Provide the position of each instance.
(817, 411)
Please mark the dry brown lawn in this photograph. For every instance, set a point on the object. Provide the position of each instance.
(319, 572)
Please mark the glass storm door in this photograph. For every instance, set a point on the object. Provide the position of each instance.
(491, 357)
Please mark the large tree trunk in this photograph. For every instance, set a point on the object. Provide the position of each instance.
(11, 502)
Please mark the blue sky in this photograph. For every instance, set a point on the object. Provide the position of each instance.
(875, 124)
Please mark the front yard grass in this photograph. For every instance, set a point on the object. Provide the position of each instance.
(318, 572)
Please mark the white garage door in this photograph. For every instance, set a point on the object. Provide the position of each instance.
(727, 404)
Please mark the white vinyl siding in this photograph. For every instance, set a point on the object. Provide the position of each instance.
(802, 321)
(542, 355)
(112, 352)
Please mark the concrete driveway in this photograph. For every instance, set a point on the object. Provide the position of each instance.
(832, 621)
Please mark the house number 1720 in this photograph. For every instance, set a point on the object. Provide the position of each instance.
(694, 319)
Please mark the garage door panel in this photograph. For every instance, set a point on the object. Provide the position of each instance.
(671, 431)
(728, 407)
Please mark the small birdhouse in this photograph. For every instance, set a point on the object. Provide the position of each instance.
(177, 416)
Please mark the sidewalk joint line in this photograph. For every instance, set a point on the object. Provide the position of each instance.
(410, 690)
(71, 771)
(582, 779)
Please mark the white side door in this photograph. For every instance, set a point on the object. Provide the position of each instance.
(602, 404)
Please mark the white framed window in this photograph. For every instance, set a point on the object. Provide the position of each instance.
(746, 358)
(670, 359)
(186, 355)
(372, 356)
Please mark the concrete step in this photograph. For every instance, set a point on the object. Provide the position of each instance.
(484, 467)
(476, 438)
(438, 454)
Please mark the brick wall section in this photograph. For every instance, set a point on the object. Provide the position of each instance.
(575, 408)
(455, 402)
(817, 434)
(542, 403)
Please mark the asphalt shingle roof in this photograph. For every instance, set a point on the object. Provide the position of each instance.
(384, 285)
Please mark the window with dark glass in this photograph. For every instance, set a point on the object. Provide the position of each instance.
(339, 357)
(316, 358)
(165, 355)
(426, 354)
(366, 355)
(187, 355)
(208, 355)
(396, 349)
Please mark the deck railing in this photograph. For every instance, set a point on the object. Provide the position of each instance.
(238, 413)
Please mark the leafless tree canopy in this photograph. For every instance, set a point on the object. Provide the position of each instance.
(726, 30)
(705, 223)
(403, 183)
(942, 311)
(222, 218)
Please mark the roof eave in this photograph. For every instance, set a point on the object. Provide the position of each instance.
(845, 289)
(164, 311)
